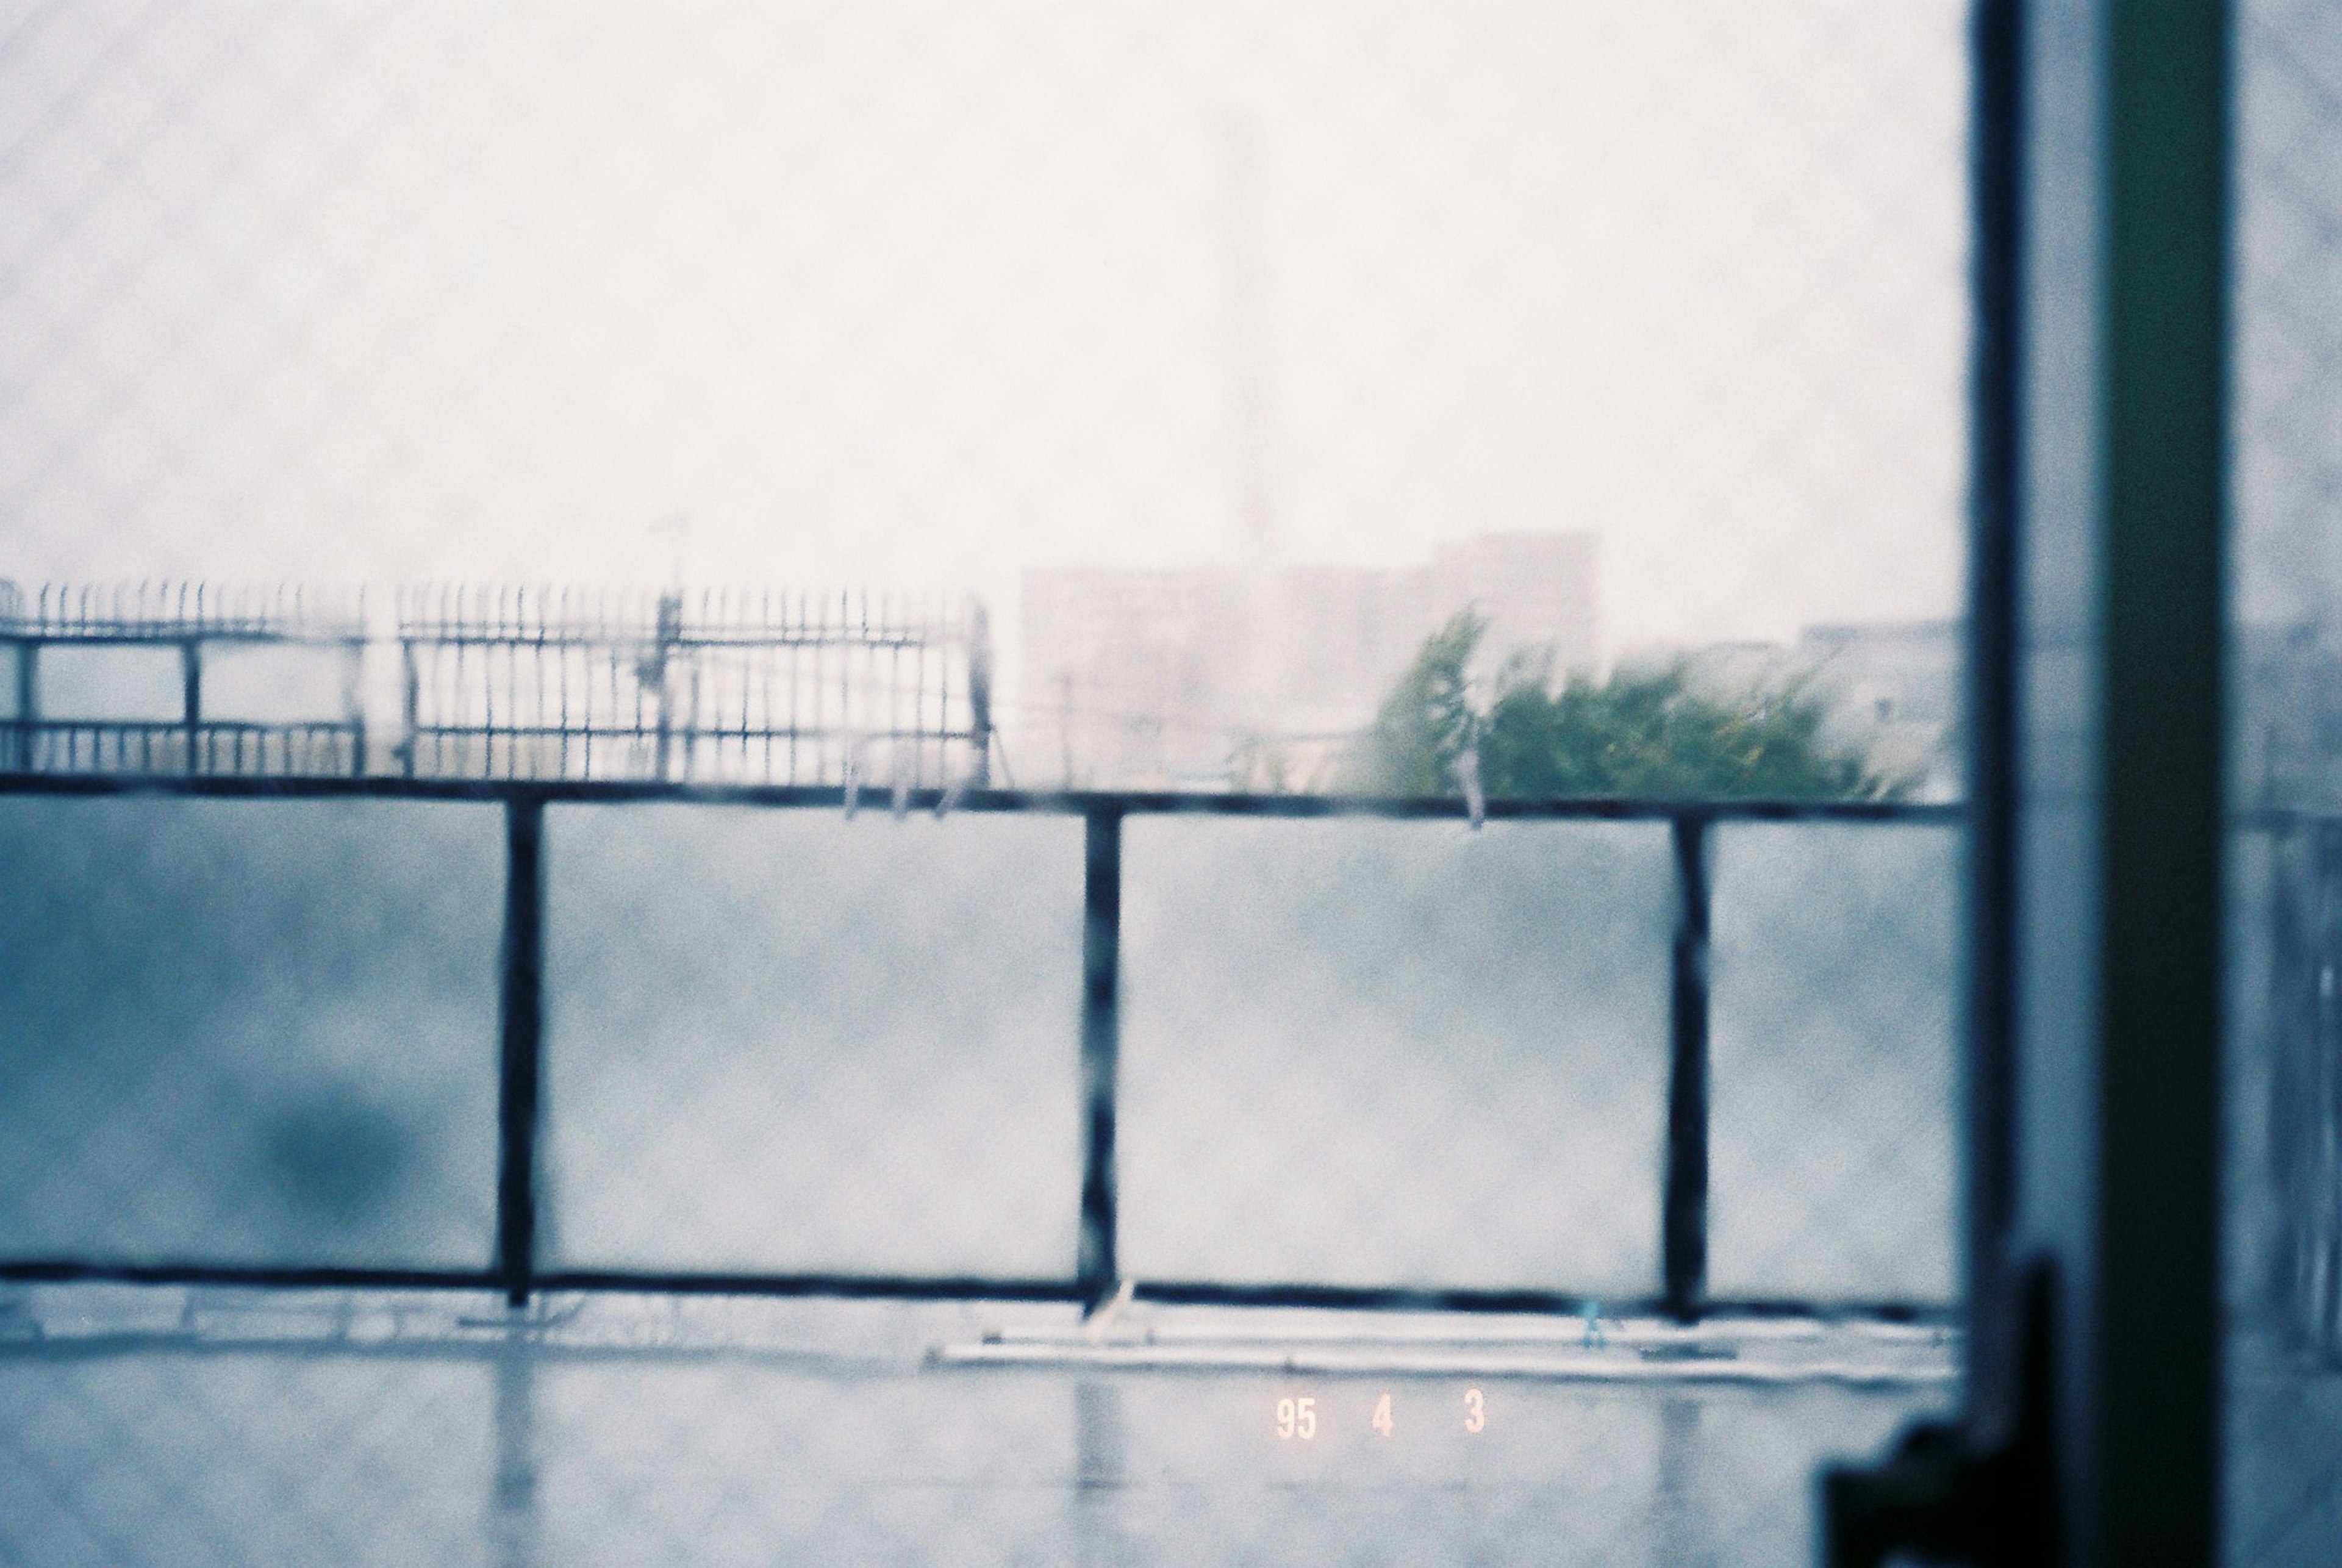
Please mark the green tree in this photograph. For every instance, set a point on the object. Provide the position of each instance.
(1650, 732)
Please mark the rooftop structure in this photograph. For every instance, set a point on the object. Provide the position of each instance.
(1171, 676)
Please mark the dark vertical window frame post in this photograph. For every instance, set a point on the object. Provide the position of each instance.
(1096, 1267)
(522, 1010)
(1683, 1241)
(1996, 449)
(2152, 1494)
(411, 702)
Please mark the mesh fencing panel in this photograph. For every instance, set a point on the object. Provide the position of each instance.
(1836, 1075)
(804, 1056)
(567, 893)
(1354, 1053)
(249, 1031)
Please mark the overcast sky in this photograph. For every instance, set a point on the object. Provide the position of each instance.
(881, 293)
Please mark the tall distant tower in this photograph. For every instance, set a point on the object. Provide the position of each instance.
(1248, 416)
(1250, 436)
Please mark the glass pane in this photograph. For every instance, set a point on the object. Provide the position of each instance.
(248, 1031)
(780, 1041)
(1833, 1175)
(1395, 1053)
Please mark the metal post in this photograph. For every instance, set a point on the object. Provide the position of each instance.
(523, 1009)
(28, 700)
(1683, 1218)
(191, 685)
(670, 630)
(413, 703)
(1997, 210)
(1095, 1265)
(979, 696)
(353, 704)
(2155, 1305)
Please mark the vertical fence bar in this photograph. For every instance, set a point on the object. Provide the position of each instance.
(353, 704)
(523, 1009)
(1096, 1267)
(411, 700)
(979, 696)
(191, 694)
(1684, 1216)
(28, 700)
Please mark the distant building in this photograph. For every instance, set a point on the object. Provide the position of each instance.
(1176, 677)
(1130, 677)
(1536, 591)
(1343, 634)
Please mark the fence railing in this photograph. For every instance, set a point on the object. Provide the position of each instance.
(192, 623)
(517, 683)
(750, 687)
(516, 1269)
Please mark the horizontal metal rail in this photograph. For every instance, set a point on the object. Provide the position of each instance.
(596, 635)
(950, 1287)
(171, 634)
(147, 749)
(167, 612)
(645, 731)
(1063, 803)
(710, 617)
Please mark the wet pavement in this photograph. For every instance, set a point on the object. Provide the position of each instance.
(185, 1427)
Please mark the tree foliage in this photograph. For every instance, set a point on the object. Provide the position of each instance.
(1648, 733)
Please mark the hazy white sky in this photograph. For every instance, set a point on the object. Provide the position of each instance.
(895, 293)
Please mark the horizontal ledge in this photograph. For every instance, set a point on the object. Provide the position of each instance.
(125, 635)
(879, 798)
(55, 727)
(65, 1271)
(1559, 1303)
(957, 1287)
(578, 735)
(625, 638)
(1592, 1366)
(649, 1281)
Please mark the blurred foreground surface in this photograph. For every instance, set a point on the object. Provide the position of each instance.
(184, 1427)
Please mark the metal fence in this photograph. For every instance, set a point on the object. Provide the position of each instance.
(504, 683)
(1684, 1177)
(769, 688)
(190, 626)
